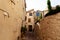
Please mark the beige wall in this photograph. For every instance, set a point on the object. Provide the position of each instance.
(45, 12)
(10, 26)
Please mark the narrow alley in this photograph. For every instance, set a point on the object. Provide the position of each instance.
(30, 36)
(29, 19)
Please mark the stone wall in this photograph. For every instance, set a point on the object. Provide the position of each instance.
(50, 28)
(11, 14)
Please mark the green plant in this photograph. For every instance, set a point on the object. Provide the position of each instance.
(49, 5)
(52, 11)
(23, 29)
(41, 16)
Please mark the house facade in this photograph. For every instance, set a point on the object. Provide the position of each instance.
(30, 20)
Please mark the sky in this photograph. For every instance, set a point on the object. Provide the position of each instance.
(40, 4)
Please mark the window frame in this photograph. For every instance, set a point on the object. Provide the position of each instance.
(30, 14)
(29, 19)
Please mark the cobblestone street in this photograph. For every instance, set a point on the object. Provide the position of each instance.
(29, 36)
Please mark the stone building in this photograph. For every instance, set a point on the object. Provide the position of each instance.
(30, 20)
(49, 28)
(11, 15)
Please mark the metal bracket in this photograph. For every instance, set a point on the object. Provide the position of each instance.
(6, 13)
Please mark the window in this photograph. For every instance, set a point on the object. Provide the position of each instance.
(29, 20)
(30, 14)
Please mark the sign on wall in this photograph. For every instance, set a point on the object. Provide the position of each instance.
(37, 13)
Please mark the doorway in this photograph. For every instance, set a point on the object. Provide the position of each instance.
(30, 28)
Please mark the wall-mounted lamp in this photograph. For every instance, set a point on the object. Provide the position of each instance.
(5, 13)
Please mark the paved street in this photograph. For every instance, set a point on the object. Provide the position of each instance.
(29, 36)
